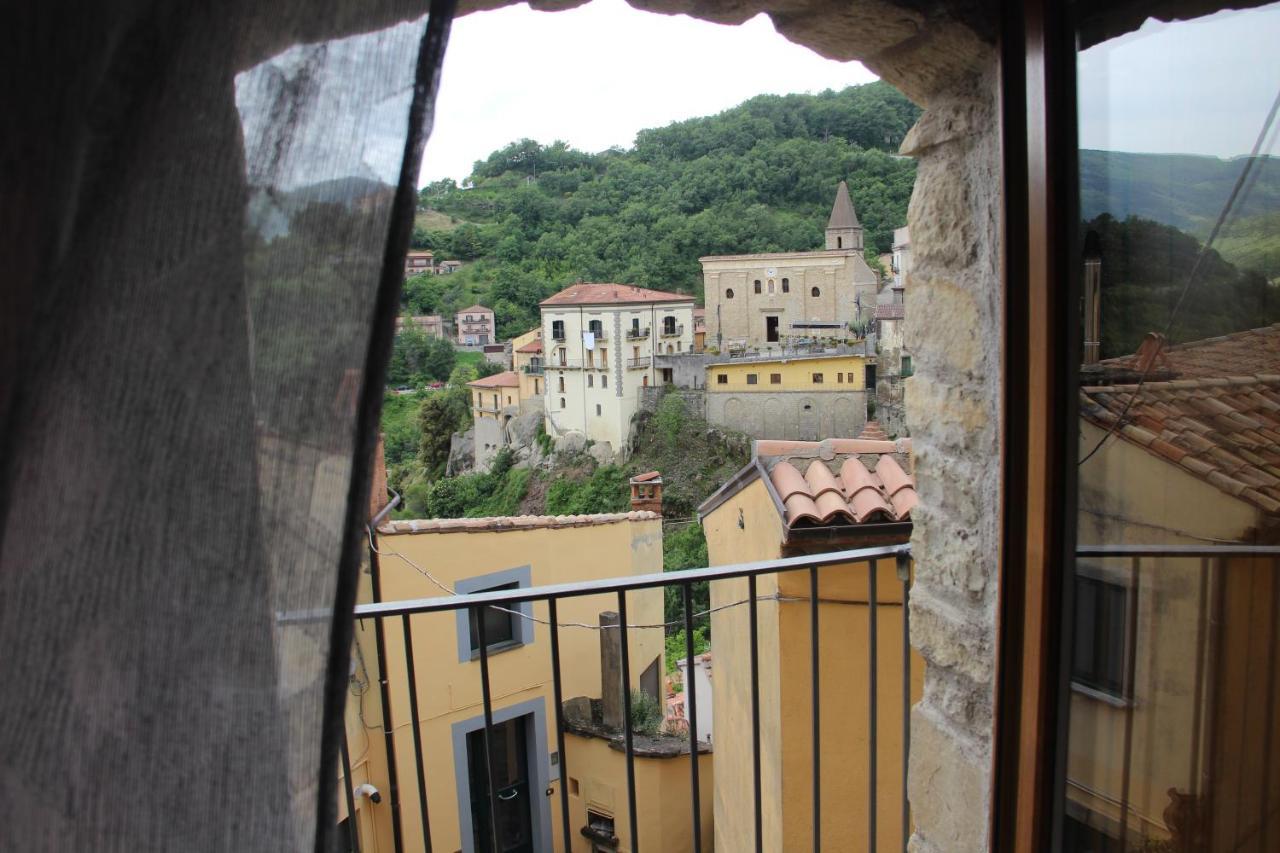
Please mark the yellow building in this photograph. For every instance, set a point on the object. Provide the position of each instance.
(1189, 465)
(798, 397)
(526, 355)
(790, 500)
(495, 400)
(421, 559)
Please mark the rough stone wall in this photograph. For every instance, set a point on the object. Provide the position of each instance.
(952, 409)
(688, 370)
(795, 415)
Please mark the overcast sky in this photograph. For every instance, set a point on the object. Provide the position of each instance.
(1193, 87)
(595, 75)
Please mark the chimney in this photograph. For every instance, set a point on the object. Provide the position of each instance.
(610, 670)
(646, 492)
(1092, 298)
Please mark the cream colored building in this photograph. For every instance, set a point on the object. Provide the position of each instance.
(495, 400)
(526, 361)
(761, 301)
(475, 326)
(430, 558)
(598, 342)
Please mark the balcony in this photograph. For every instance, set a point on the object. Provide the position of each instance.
(532, 369)
(673, 331)
(641, 363)
(558, 336)
(838, 643)
(637, 334)
(600, 334)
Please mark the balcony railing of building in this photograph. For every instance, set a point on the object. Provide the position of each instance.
(385, 616)
(640, 363)
(600, 334)
(637, 334)
(533, 369)
(673, 331)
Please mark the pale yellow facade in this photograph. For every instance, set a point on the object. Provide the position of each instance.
(595, 390)
(1136, 497)
(456, 553)
(837, 372)
(528, 366)
(747, 527)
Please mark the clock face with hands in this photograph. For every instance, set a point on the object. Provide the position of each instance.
(771, 272)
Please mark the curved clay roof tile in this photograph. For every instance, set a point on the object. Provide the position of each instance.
(787, 481)
(801, 506)
(869, 502)
(856, 477)
(892, 475)
(820, 479)
(830, 505)
(904, 501)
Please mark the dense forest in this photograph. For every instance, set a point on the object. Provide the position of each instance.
(532, 219)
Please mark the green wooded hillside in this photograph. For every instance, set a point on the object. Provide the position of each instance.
(759, 177)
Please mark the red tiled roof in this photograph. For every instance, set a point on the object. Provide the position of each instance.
(1248, 353)
(894, 311)
(1225, 431)
(844, 481)
(474, 308)
(532, 346)
(606, 294)
(498, 380)
(646, 477)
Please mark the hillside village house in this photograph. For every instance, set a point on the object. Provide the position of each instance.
(901, 268)
(429, 324)
(440, 704)
(802, 498)
(526, 361)
(223, 486)
(475, 326)
(760, 301)
(419, 262)
(599, 341)
(801, 397)
(495, 400)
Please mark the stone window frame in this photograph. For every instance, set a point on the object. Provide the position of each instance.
(521, 625)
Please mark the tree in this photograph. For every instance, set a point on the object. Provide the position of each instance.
(438, 359)
(442, 414)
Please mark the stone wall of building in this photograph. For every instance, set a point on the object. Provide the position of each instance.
(688, 370)
(795, 415)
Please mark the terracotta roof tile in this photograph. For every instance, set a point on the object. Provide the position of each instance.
(474, 309)
(1226, 430)
(608, 294)
(845, 481)
(1248, 353)
(505, 379)
(532, 346)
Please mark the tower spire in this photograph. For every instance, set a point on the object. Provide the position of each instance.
(843, 229)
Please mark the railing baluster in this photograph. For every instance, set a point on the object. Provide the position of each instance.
(626, 721)
(417, 733)
(492, 795)
(817, 716)
(691, 712)
(353, 829)
(904, 575)
(1131, 642)
(559, 703)
(873, 688)
(755, 712)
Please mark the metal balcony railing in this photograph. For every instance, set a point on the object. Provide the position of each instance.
(386, 615)
(600, 334)
(673, 331)
(533, 369)
(637, 334)
(640, 363)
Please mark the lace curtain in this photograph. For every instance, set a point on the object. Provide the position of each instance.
(204, 208)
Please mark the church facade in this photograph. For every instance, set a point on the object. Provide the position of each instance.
(763, 301)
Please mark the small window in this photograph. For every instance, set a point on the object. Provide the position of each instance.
(757, 285)
(679, 346)
(786, 285)
(775, 378)
(499, 625)
(815, 293)
(850, 378)
(1101, 616)
(557, 329)
(728, 294)
(597, 409)
(722, 379)
(839, 242)
(817, 379)
(771, 285)
(562, 402)
(562, 386)
(604, 357)
(604, 380)
(591, 380)
(839, 378)
(751, 378)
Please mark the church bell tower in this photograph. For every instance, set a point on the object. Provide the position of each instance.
(843, 229)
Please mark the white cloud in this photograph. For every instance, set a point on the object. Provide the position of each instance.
(595, 75)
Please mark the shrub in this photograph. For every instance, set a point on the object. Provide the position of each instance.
(646, 713)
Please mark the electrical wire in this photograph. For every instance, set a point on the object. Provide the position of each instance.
(1243, 179)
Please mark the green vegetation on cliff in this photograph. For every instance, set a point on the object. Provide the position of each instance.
(755, 178)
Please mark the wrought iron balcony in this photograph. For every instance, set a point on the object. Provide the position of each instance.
(637, 334)
(673, 331)
(640, 363)
(533, 369)
(412, 815)
(600, 335)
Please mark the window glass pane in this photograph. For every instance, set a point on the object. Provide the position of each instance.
(499, 626)
(1173, 705)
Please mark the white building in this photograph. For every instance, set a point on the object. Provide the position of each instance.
(901, 255)
(598, 345)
